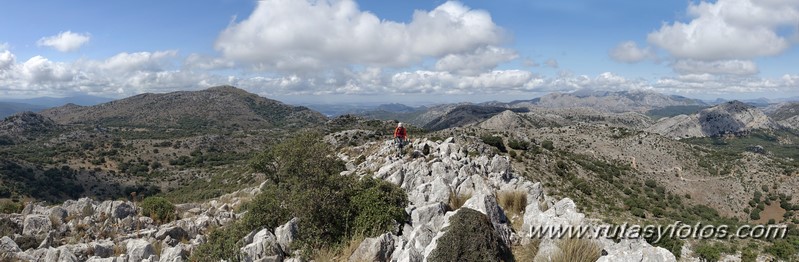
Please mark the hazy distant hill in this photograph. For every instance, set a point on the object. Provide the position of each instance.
(10, 108)
(618, 102)
(728, 118)
(45, 102)
(222, 106)
(466, 114)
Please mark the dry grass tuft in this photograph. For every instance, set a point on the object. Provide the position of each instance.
(456, 200)
(577, 250)
(526, 252)
(340, 253)
(512, 202)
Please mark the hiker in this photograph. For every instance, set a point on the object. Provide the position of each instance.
(400, 138)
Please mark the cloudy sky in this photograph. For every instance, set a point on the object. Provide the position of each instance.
(407, 51)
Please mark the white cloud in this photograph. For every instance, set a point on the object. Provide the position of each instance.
(729, 29)
(730, 67)
(551, 63)
(629, 52)
(139, 61)
(529, 62)
(64, 41)
(39, 69)
(476, 62)
(332, 33)
(7, 59)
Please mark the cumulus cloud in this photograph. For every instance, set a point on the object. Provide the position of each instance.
(729, 29)
(629, 52)
(476, 62)
(64, 41)
(203, 62)
(7, 59)
(731, 67)
(334, 33)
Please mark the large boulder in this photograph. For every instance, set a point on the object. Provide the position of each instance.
(178, 253)
(264, 247)
(81, 208)
(139, 249)
(635, 250)
(7, 245)
(36, 225)
(174, 232)
(286, 234)
(374, 249)
(60, 254)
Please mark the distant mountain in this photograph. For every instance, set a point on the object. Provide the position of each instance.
(467, 114)
(787, 114)
(396, 108)
(732, 117)
(222, 106)
(617, 102)
(45, 102)
(10, 108)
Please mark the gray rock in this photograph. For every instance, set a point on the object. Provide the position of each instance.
(102, 248)
(7, 245)
(36, 225)
(374, 249)
(286, 234)
(80, 208)
(109, 259)
(636, 250)
(177, 253)
(60, 254)
(264, 245)
(57, 215)
(139, 249)
(48, 241)
(173, 232)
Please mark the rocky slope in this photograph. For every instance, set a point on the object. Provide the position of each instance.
(728, 118)
(22, 126)
(222, 106)
(87, 230)
(623, 101)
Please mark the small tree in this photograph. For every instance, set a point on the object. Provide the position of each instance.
(159, 209)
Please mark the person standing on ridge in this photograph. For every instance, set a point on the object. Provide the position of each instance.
(400, 138)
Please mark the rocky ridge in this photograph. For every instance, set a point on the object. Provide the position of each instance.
(88, 230)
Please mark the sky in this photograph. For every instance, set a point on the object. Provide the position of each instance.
(410, 51)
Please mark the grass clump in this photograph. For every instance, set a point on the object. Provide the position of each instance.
(512, 202)
(577, 250)
(456, 200)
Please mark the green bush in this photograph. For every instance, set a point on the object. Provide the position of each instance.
(379, 204)
(782, 249)
(707, 252)
(305, 183)
(548, 145)
(518, 144)
(495, 141)
(159, 209)
(470, 237)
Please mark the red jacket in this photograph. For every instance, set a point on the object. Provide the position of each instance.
(400, 132)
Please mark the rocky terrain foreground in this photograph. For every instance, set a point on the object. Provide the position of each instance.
(88, 230)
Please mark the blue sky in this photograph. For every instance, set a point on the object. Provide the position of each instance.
(400, 51)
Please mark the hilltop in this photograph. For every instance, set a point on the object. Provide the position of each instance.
(221, 106)
(732, 117)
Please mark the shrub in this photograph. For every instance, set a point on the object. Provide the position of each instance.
(512, 201)
(379, 204)
(782, 249)
(518, 145)
(159, 209)
(9, 228)
(707, 252)
(8, 207)
(548, 145)
(577, 250)
(470, 237)
(495, 141)
(305, 183)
